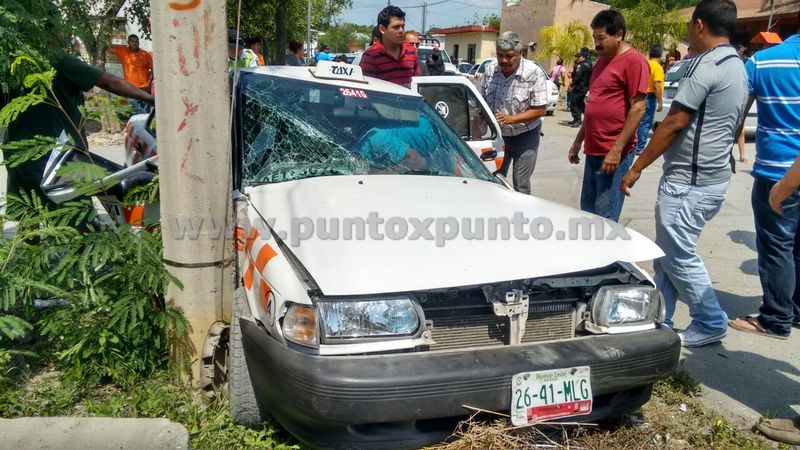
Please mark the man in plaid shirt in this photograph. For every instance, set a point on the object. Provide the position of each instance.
(516, 90)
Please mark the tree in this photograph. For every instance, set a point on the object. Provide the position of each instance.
(650, 22)
(491, 20)
(93, 22)
(563, 41)
(258, 19)
(341, 37)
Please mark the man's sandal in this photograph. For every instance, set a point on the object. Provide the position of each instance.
(752, 325)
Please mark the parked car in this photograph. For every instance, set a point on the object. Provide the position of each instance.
(552, 97)
(381, 340)
(671, 80)
(464, 67)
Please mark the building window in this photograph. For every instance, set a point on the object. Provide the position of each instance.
(471, 53)
(455, 52)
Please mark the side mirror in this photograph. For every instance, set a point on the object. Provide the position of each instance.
(489, 155)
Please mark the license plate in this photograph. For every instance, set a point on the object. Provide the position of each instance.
(550, 394)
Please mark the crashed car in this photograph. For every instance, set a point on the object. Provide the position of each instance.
(389, 285)
(361, 338)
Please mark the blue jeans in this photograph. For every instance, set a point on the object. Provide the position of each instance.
(600, 193)
(778, 246)
(682, 211)
(569, 100)
(646, 124)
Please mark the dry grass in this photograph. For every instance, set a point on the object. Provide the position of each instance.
(674, 419)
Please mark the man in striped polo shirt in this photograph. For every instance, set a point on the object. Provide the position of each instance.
(391, 58)
(774, 80)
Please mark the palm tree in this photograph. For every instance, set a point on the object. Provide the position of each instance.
(651, 22)
(563, 41)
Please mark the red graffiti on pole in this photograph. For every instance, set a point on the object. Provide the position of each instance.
(189, 110)
(191, 4)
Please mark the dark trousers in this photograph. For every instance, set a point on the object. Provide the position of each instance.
(778, 246)
(578, 106)
(521, 150)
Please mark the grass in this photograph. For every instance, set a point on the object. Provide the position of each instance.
(673, 419)
(164, 395)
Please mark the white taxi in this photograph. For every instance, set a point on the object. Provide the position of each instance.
(387, 282)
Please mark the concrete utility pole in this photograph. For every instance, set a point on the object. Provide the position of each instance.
(190, 59)
(424, 18)
(308, 32)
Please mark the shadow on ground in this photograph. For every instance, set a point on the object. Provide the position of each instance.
(761, 383)
(756, 381)
(748, 239)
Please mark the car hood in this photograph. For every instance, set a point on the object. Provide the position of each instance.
(381, 260)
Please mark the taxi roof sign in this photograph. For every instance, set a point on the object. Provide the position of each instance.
(330, 70)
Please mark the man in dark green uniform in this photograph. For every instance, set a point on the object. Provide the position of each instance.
(73, 77)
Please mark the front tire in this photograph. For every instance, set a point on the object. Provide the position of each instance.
(245, 408)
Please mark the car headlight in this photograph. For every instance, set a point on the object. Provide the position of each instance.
(300, 325)
(352, 319)
(620, 309)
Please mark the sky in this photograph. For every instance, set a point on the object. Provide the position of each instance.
(441, 13)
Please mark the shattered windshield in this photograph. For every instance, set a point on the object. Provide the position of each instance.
(298, 129)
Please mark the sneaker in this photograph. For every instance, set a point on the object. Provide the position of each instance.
(576, 124)
(693, 338)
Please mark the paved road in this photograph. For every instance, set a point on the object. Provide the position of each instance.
(744, 377)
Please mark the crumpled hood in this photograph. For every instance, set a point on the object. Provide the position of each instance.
(394, 233)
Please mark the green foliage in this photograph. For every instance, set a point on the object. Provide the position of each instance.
(116, 325)
(653, 22)
(491, 20)
(17, 152)
(164, 394)
(563, 41)
(108, 109)
(147, 193)
(258, 18)
(340, 37)
(27, 27)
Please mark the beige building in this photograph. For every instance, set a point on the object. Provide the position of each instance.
(527, 17)
(471, 43)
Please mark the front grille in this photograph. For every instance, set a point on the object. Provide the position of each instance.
(545, 323)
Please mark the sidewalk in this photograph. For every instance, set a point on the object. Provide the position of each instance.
(746, 376)
(90, 433)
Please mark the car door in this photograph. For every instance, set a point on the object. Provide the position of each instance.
(457, 100)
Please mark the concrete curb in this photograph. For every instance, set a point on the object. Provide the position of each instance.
(92, 433)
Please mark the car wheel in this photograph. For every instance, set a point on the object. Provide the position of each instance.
(245, 408)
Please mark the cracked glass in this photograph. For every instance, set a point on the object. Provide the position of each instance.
(294, 129)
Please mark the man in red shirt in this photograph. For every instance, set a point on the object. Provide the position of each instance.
(391, 58)
(617, 93)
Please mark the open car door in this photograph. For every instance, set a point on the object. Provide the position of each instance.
(110, 190)
(461, 105)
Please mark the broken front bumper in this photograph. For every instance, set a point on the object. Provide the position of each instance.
(410, 399)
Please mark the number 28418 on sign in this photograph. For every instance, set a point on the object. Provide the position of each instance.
(550, 394)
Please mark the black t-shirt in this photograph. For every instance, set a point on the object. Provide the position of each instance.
(73, 77)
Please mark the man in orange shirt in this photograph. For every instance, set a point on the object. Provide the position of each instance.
(137, 65)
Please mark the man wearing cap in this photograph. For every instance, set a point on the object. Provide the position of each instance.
(581, 74)
(516, 90)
